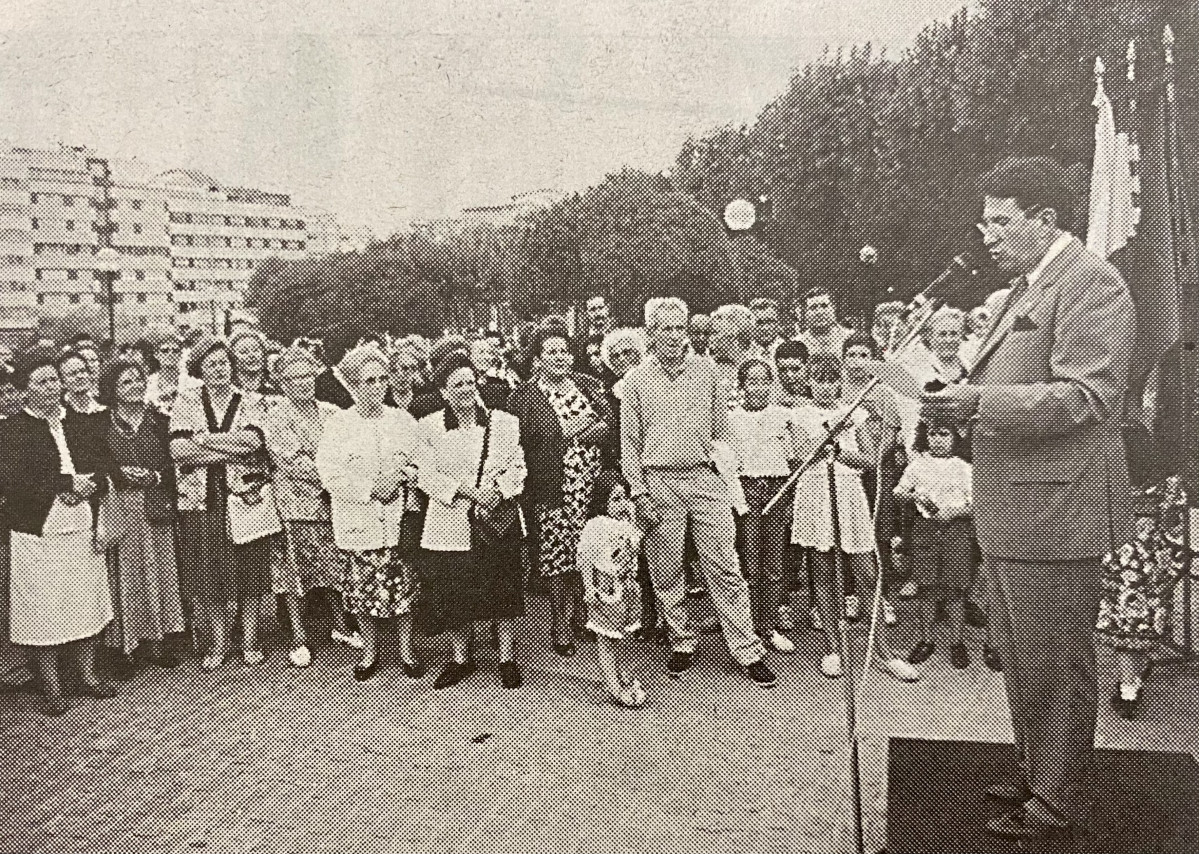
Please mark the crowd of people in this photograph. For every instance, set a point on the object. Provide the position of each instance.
(174, 486)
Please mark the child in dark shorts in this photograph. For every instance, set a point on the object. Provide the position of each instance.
(937, 496)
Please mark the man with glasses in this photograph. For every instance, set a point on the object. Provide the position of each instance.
(1051, 487)
(768, 328)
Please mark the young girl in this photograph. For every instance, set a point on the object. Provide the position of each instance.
(936, 489)
(765, 444)
(851, 533)
(607, 560)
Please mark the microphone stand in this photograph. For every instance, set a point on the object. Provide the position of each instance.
(827, 448)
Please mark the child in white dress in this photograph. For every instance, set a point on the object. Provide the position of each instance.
(607, 560)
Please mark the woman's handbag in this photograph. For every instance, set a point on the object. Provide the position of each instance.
(497, 528)
(412, 523)
(253, 519)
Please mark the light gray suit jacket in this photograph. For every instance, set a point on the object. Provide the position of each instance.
(1050, 475)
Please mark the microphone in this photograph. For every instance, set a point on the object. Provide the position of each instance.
(945, 285)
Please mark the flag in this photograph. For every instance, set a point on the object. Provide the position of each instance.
(1113, 212)
(1162, 255)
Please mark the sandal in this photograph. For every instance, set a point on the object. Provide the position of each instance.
(253, 657)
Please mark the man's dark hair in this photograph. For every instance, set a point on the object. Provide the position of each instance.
(860, 339)
(789, 349)
(1035, 183)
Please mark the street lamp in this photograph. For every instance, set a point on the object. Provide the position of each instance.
(868, 257)
(108, 261)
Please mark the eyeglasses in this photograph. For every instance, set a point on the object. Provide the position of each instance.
(381, 380)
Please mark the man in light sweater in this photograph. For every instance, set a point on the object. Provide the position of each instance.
(672, 412)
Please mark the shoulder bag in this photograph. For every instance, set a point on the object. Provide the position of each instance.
(495, 528)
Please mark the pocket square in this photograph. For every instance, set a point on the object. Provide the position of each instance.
(1023, 324)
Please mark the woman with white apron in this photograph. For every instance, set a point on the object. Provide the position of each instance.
(59, 583)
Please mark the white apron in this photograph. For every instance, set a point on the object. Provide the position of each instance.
(59, 584)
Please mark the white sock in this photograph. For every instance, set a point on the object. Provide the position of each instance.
(1128, 690)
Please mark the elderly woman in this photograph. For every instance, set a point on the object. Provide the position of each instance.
(217, 446)
(59, 582)
(164, 384)
(469, 457)
(565, 420)
(140, 510)
(305, 558)
(79, 383)
(365, 462)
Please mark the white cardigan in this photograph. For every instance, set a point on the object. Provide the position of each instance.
(448, 459)
(352, 452)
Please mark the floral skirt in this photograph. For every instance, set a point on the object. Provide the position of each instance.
(561, 525)
(305, 558)
(378, 583)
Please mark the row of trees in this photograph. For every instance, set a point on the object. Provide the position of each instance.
(862, 148)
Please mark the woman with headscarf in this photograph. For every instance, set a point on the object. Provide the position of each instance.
(217, 446)
(365, 462)
(141, 510)
(564, 423)
(468, 457)
(305, 558)
(59, 582)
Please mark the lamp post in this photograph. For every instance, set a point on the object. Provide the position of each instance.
(108, 260)
(864, 309)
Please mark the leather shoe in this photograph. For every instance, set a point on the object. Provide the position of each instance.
(921, 652)
(959, 657)
(566, 650)
(510, 675)
(1032, 822)
(1016, 792)
(453, 673)
(413, 669)
(1126, 709)
(362, 672)
(991, 659)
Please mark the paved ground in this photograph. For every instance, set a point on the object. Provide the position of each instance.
(279, 760)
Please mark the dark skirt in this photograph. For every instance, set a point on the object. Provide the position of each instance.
(943, 556)
(457, 588)
(212, 568)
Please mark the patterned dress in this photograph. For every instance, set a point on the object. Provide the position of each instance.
(1138, 578)
(561, 524)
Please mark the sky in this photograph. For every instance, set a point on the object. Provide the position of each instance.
(385, 112)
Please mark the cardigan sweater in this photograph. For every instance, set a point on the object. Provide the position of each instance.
(31, 471)
(542, 438)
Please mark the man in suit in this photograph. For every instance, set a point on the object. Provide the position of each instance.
(1051, 490)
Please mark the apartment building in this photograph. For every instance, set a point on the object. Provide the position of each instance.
(184, 245)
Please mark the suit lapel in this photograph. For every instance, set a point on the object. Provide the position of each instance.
(1022, 303)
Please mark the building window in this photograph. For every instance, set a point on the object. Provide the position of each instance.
(73, 298)
(188, 240)
(229, 242)
(70, 225)
(73, 275)
(137, 228)
(41, 299)
(137, 205)
(116, 298)
(141, 297)
(37, 274)
(68, 201)
(300, 244)
(32, 196)
(141, 275)
(34, 223)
